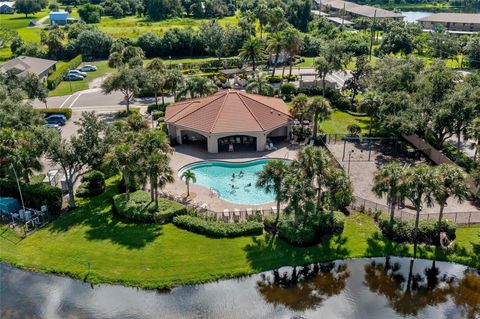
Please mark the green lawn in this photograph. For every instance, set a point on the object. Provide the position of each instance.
(69, 87)
(133, 26)
(149, 255)
(339, 121)
(18, 21)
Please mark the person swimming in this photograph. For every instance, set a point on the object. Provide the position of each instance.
(233, 175)
(249, 185)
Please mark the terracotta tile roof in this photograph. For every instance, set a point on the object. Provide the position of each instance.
(229, 111)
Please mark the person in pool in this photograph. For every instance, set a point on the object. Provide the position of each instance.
(233, 175)
(249, 185)
(241, 174)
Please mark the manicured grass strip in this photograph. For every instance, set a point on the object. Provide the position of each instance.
(339, 121)
(149, 255)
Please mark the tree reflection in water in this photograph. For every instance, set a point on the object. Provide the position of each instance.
(303, 288)
(409, 295)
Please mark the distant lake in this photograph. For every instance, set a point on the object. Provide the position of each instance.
(413, 16)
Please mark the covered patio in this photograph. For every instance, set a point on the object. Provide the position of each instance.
(229, 121)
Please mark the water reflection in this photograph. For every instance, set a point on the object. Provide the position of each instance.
(410, 294)
(375, 288)
(303, 288)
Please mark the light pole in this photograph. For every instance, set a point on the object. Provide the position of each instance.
(349, 159)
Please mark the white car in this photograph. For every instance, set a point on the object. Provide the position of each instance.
(76, 72)
(87, 68)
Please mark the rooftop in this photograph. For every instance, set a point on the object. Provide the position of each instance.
(10, 4)
(363, 10)
(229, 111)
(453, 17)
(22, 64)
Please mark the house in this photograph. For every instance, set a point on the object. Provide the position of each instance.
(24, 64)
(466, 23)
(346, 9)
(228, 121)
(7, 7)
(59, 18)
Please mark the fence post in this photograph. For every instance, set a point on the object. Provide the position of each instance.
(456, 214)
(469, 217)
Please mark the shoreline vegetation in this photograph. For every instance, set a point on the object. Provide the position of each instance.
(94, 245)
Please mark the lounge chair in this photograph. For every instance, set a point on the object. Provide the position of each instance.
(236, 214)
(226, 215)
(249, 212)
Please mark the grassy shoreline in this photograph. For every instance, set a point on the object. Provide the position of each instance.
(162, 256)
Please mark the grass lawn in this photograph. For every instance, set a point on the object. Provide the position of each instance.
(18, 20)
(69, 87)
(133, 26)
(149, 255)
(339, 121)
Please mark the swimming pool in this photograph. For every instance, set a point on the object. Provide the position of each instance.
(238, 188)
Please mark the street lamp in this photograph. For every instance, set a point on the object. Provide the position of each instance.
(349, 159)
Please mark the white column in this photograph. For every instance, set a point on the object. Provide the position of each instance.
(178, 133)
(212, 144)
(261, 141)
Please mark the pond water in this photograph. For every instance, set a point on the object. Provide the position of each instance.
(413, 16)
(232, 181)
(358, 288)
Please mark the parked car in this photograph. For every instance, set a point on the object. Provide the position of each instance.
(58, 119)
(83, 74)
(87, 68)
(53, 126)
(73, 77)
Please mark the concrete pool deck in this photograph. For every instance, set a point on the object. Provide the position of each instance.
(187, 154)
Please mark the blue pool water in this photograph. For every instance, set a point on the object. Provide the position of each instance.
(218, 176)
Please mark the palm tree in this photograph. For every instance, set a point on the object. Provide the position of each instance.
(271, 178)
(449, 181)
(252, 50)
(370, 104)
(189, 176)
(299, 108)
(125, 158)
(473, 132)
(156, 83)
(323, 68)
(340, 190)
(275, 45)
(173, 80)
(293, 40)
(388, 181)
(157, 167)
(418, 186)
(321, 110)
(197, 86)
(334, 57)
(258, 84)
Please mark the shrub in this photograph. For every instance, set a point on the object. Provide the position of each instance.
(291, 77)
(215, 229)
(287, 90)
(307, 233)
(56, 77)
(459, 158)
(34, 196)
(273, 79)
(402, 231)
(64, 111)
(159, 107)
(93, 183)
(138, 206)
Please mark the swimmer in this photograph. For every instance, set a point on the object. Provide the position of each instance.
(241, 173)
(233, 175)
(249, 184)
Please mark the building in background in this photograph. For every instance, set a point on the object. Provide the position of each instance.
(7, 7)
(346, 10)
(463, 23)
(59, 18)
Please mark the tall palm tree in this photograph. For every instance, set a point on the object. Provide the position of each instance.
(293, 40)
(253, 51)
(156, 83)
(275, 46)
(299, 108)
(173, 81)
(189, 176)
(157, 167)
(197, 86)
(418, 183)
(370, 104)
(271, 178)
(340, 190)
(473, 132)
(125, 158)
(321, 110)
(449, 181)
(323, 67)
(388, 181)
(333, 57)
(258, 84)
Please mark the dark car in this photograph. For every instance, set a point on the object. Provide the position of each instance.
(73, 77)
(56, 119)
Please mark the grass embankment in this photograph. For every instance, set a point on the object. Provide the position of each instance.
(149, 255)
(340, 120)
(133, 26)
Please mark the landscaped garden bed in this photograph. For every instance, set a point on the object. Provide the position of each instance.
(217, 229)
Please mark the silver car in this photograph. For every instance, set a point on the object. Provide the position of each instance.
(87, 68)
(76, 72)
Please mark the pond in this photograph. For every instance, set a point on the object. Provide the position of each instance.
(358, 288)
(413, 16)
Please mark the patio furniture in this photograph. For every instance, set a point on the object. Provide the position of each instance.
(230, 147)
(226, 215)
(249, 212)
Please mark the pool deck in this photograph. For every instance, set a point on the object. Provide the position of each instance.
(187, 154)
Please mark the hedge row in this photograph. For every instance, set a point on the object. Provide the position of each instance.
(56, 77)
(64, 111)
(138, 206)
(34, 196)
(458, 157)
(217, 229)
(403, 231)
(309, 232)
